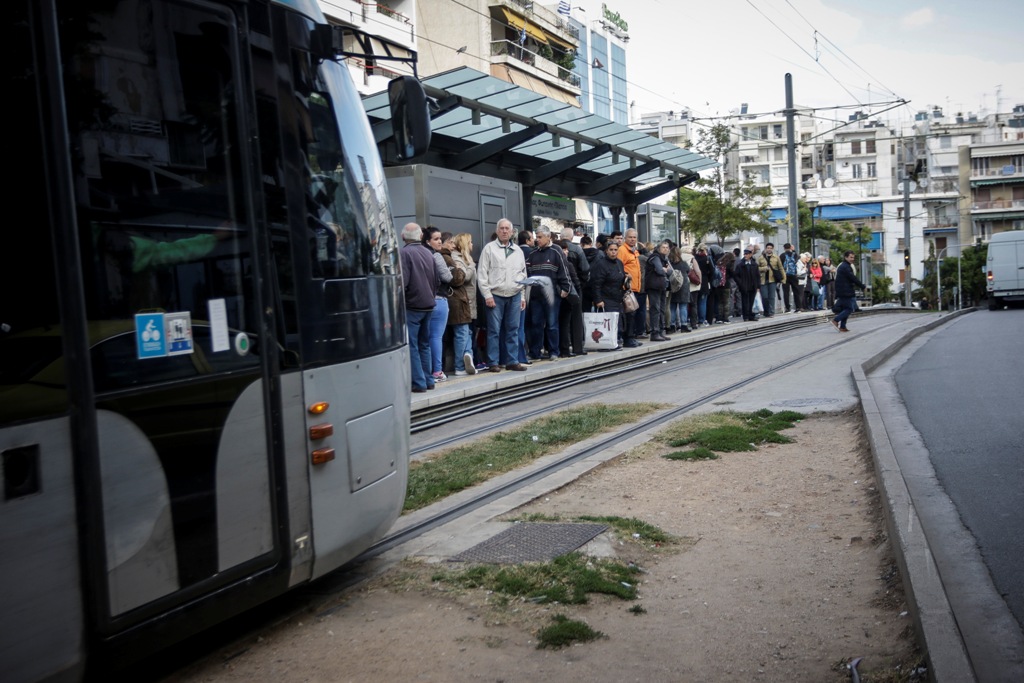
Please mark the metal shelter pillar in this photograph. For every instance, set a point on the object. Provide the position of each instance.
(527, 207)
(616, 212)
(631, 217)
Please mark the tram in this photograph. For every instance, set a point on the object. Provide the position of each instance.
(204, 375)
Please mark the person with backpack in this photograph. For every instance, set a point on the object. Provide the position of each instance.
(679, 286)
(723, 291)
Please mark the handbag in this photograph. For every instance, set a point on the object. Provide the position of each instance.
(815, 287)
(694, 276)
(601, 331)
(629, 302)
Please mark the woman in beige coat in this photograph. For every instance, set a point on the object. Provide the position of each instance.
(462, 308)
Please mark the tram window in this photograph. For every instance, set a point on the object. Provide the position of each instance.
(159, 172)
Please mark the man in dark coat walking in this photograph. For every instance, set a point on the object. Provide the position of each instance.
(846, 296)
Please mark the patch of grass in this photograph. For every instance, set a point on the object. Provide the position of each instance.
(699, 453)
(638, 610)
(633, 527)
(568, 579)
(564, 632)
(466, 466)
(729, 431)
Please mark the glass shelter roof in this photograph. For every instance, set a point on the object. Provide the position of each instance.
(488, 126)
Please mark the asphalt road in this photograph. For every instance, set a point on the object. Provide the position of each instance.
(964, 392)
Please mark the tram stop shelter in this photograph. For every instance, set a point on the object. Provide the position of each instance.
(490, 127)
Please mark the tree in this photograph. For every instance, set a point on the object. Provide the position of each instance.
(716, 204)
(881, 289)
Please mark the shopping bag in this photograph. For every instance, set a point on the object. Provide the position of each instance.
(600, 331)
(758, 306)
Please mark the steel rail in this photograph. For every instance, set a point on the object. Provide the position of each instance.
(435, 416)
(529, 477)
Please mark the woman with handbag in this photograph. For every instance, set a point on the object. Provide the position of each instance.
(679, 302)
(462, 305)
(813, 283)
(608, 285)
(829, 277)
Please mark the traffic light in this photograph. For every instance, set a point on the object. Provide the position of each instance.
(906, 258)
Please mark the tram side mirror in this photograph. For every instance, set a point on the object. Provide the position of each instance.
(410, 117)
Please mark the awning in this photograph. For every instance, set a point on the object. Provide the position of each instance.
(518, 22)
(1001, 216)
(537, 85)
(998, 180)
(583, 214)
(489, 126)
(935, 231)
(838, 212)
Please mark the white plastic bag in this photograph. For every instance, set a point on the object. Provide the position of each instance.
(758, 306)
(600, 331)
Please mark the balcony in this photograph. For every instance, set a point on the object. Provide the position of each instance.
(1008, 171)
(507, 48)
(999, 205)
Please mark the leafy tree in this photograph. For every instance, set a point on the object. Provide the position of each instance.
(716, 204)
(881, 289)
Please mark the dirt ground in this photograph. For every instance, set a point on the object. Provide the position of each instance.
(784, 573)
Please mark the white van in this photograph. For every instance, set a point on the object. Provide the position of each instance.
(1004, 274)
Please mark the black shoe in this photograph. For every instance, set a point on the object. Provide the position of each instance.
(419, 391)
(494, 368)
(632, 344)
(518, 367)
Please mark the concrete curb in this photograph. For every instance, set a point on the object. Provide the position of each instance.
(936, 625)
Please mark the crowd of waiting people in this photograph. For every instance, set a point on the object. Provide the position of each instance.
(523, 301)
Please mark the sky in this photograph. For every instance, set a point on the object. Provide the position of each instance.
(711, 56)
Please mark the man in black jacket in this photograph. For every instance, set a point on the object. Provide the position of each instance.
(846, 296)
(546, 263)
(420, 281)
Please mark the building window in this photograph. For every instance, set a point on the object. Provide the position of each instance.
(764, 132)
(870, 146)
(855, 147)
(872, 170)
(858, 171)
(780, 154)
(979, 166)
(777, 131)
(945, 142)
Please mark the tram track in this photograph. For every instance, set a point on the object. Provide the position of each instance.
(532, 475)
(429, 417)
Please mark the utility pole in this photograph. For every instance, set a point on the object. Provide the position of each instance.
(794, 215)
(908, 302)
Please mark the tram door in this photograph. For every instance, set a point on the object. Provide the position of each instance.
(160, 171)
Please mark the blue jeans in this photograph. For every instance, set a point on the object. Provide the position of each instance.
(463, 344)
(848, 304)
(543, 323)
(821, 296)
(702, 307)
(768, 297)
(503, 330)
(681, 313)
(438, 321)
(418, 323)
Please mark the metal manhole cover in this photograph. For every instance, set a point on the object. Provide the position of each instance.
(530, 542)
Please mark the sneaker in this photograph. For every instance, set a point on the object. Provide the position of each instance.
(482, 366)
(843, 329)
(553, 357)
(467, 359)
(462, 373)
(835, 324)
(440, 377)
